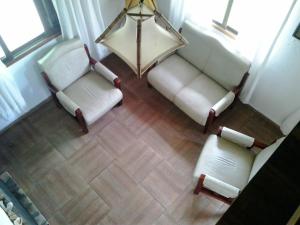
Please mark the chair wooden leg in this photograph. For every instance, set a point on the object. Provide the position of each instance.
(81, 121)
(57, 103)
(120, 103)
(199, 185)
(210, 119)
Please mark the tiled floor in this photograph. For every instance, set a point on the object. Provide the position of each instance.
(134, 167)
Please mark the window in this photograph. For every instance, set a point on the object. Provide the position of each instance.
(24, 26)
(216, 11)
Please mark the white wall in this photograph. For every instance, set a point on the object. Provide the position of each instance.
(26, 74)
(277, 93)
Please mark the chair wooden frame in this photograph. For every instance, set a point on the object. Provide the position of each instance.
(200, 187)
(78, 113)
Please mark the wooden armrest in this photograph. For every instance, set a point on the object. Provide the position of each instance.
(259, 144)
(49, 84)
(91, 59)
(117, 83)
(256, 142)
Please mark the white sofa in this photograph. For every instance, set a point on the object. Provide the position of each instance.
(202, 79)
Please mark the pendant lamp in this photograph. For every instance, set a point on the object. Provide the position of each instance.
(144, 35)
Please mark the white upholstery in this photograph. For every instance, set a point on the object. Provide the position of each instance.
(65, 63)
(224, 103)
(237, 137)
(262, 157)
(225, 161)
(4, 220)
(198, 97)
(205, 80)
(172, 75)
(222, 63)
(94, 95)
(225, 67)
(105, 72)
(220, 187)
(67, 103)
(199, 48)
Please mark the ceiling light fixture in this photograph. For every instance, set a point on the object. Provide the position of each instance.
(145, 37)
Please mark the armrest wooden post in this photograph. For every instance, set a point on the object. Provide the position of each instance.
(51, 88)
(237, 90)
(81, 121)
(259, 144)
(211, 117)
(117, 83)
(219, 131)
(92, 60)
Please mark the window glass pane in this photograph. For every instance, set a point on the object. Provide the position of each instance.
(19, 22)
(204, 11)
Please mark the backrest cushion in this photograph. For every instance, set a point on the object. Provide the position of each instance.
(65, 63)
(199, 47)
(263, 156)
(225, 66)
(220, 62)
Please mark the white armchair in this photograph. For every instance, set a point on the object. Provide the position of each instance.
(83, 86)
(226, 163)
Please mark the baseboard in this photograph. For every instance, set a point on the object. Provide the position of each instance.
(26, 115)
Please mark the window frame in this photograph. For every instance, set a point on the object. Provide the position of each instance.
(224, 24)
(52, 29)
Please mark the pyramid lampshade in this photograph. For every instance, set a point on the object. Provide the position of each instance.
(141, 41)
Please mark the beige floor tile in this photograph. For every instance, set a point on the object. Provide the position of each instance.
(90, 161)
(68, 141)
(113, 185)
(56, 189)
(86, 209)
(139, 209)
(138, 160)
(185, 161)
(141, 119)
(116, 138)
(165, 220)
(195, 209)
(163, 139)
(165, 184)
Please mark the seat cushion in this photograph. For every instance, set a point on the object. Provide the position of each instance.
(225, 161)
(94, 95)
(197, 98)
(172, 75)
